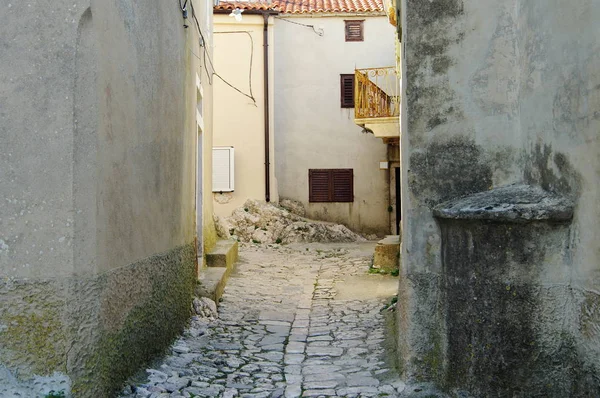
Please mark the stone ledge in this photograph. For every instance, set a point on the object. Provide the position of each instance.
(517, 203)
(387, 253)
(220, 263)
(224, 254)
(211, 282)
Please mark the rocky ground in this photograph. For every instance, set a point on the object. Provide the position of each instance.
(302, 320)
(284, 222)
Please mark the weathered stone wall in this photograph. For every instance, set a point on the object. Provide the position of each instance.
(497, 92)
(97, 169)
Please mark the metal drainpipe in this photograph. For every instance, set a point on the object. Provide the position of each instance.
(266, 104)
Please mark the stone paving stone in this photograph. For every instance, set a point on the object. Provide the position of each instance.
(300, 323)
(293, 391)
(323, 377)
(297, 337)
(357, 390)
(324, 337)
(281, 332)
(293, 359)
(300, 330)
(293, 369)
(318, 393)
(319, 369)
(269, 340)
(295, 347)
(293, 379)
(313, 350)
(362, 381)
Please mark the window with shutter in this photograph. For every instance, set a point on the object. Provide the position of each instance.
(347, 91)
(354, 30)
(223, 169)
(330, 185)
(343, 185)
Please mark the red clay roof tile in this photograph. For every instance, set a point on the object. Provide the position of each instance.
(245, 5)
(305, 6)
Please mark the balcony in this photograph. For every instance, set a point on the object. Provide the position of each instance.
(377, 101)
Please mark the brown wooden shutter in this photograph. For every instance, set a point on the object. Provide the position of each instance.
(331, 185)
(347, 91)
(318, 185)
(354, 30)
(343, 185)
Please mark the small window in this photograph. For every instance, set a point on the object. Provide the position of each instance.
(330, 185)
(354, 31)
(347, 91)
(223, 169)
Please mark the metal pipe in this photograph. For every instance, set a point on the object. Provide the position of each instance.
(266, 104)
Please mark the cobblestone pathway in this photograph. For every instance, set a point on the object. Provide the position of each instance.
(295, 321)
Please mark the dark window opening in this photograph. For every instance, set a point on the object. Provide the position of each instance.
(354, 30)
(330, 185)
(347, 91)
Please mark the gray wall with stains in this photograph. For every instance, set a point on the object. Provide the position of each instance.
(97, 171)
(495, 93)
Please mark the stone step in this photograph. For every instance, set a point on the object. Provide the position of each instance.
(224, 254)
(220, 263)
(211, 282)
(387, 254)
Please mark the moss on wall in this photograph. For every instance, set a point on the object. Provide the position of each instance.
(147, 329)
(98, 330)
(422, 327)
(32, 336)
(209, 236)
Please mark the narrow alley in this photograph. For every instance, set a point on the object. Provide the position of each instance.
(299, 320)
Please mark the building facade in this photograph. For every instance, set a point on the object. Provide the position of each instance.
(98, 170)
(244, 126)
(339, 171)
(317, 141)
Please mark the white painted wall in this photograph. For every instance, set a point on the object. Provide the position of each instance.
(313, 131)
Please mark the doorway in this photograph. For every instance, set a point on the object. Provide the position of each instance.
(398, 200)
(199, 192)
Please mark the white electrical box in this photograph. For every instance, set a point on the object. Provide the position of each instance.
(223, 169)
(384, 165)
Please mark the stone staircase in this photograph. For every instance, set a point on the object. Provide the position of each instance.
(220, 262)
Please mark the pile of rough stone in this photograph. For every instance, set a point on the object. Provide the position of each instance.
(205, 308)
(261, 222)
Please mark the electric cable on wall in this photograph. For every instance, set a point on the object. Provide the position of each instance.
(251, 56)
(318, 32)
(206, 56)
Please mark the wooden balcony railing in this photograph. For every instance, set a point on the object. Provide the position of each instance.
(376, 93)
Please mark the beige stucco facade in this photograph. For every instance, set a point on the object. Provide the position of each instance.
(97, 182)
(238, 120)
(313, 131)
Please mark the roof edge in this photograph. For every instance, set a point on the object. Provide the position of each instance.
(323, 14)
(248, 12)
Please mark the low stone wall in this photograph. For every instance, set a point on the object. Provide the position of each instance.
(387, 254)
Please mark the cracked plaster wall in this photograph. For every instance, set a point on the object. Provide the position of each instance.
(497, 92)
(97, 168)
